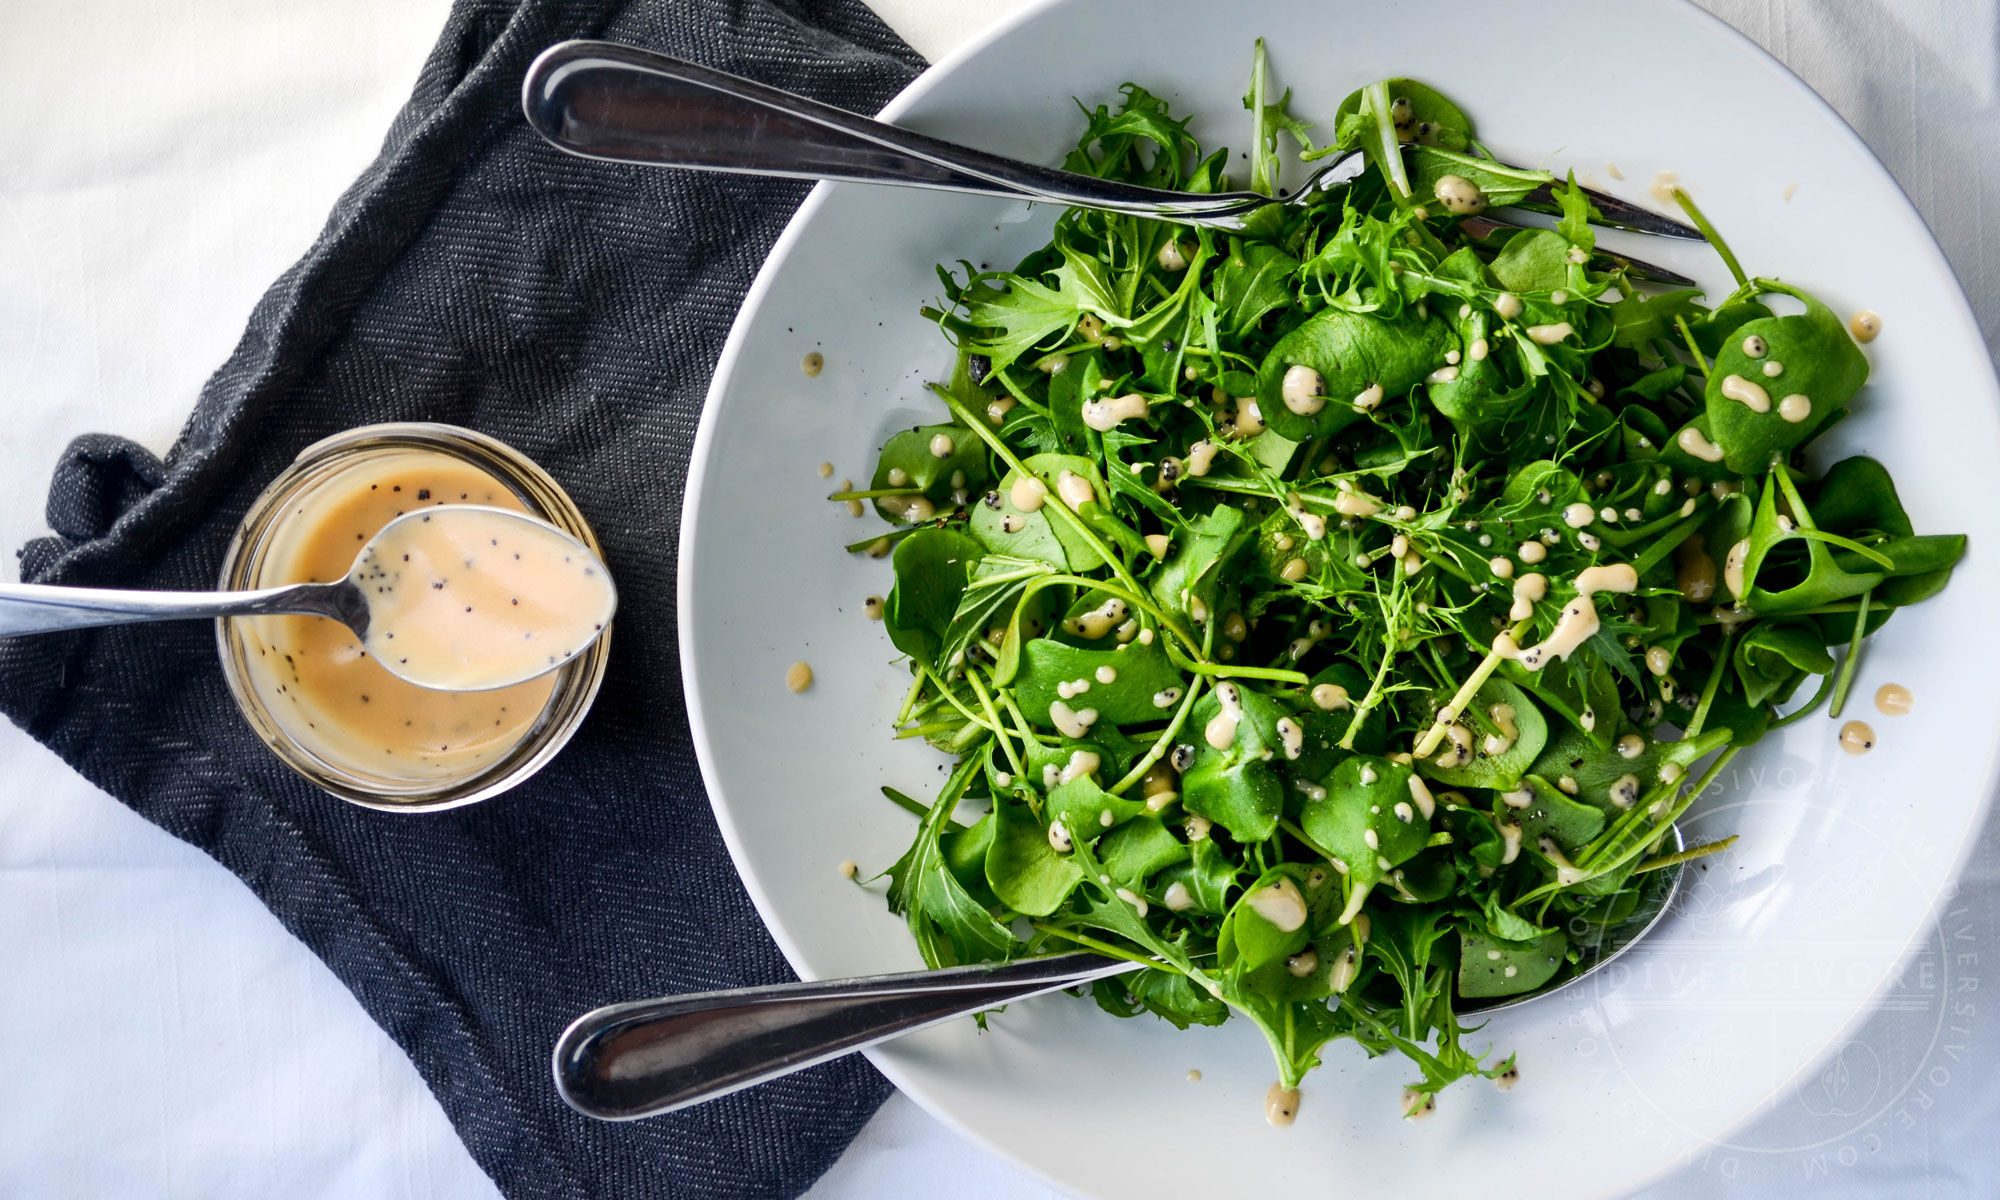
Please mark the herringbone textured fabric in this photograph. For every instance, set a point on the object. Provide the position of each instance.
(573, 309)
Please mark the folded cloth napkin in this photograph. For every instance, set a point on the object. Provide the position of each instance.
(573, 309)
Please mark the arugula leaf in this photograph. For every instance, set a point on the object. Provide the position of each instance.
(948, 925)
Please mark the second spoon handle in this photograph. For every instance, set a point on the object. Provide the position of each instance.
(654, 1056)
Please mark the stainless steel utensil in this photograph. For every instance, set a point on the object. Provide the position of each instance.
(641, 1059)
(623, 104)
(42, 608)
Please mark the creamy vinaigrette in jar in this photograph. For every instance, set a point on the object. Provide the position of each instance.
(317, 679)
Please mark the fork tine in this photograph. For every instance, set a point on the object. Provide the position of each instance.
(1621, 214)
(1481, 228)
(1639, 268)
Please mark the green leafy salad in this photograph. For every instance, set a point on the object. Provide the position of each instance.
(1335, 615)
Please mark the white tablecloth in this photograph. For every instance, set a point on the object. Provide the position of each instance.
(165, 1037)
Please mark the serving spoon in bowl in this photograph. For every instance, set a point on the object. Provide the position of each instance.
(620, 103)
(640, 1059)
(458, 598)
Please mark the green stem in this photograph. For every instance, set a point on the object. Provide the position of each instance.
(1292, 828)
(1687, 335)
(1219, 671)
(1463, 698)
(956, 703)
(1166, 739)
(1833, 539)
(1714, 239)
(993, 716)
(1388, 148)
(927, 729)
(876, 493)
(1687, 855)
(1105, 948)
(1853, 658)
(1708, 689)
(910, 698)
(1659, 550)
(892, 537)
(1809, 707)
(908, 804)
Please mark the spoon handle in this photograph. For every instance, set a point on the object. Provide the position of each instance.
(641, 1059)
(623, 104)
(41, 608)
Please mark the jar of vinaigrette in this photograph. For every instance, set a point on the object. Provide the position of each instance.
(305, 684)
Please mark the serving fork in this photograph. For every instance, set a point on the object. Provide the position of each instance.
(623, 104)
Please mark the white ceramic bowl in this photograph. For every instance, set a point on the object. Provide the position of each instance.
(1784, 942)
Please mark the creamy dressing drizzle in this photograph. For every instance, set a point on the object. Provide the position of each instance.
(1106, 415)
(1201, 456)
(1028, 494)
(1329, 697)
(1072, 723)
(1458, 751)
(1075, 489)
(1281, 1105)
(1576, 626)
(1752, 395)
(1732, 568)
(1691, 440)
(1503, 741)
(1279, 903)
(1291, 737)
(1460, 195)
(1856, 737)
(1098, 621)
(1618, 577)
(1220, 732)
(1528, 589)
(1350, 501)
(1303, 390)
(1893, 700)
(1567, 872)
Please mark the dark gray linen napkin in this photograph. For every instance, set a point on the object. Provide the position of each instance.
(573, 309)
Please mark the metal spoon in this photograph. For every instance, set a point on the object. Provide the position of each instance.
(41, 608)
(623, 104)
(641, 1059)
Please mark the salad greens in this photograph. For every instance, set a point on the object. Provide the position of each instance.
(1335, 615)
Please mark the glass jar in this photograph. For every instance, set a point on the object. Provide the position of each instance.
(268, 540)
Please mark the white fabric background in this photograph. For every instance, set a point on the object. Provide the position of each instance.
(163, 1036)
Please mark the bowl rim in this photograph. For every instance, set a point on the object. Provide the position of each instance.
(1924, 243)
